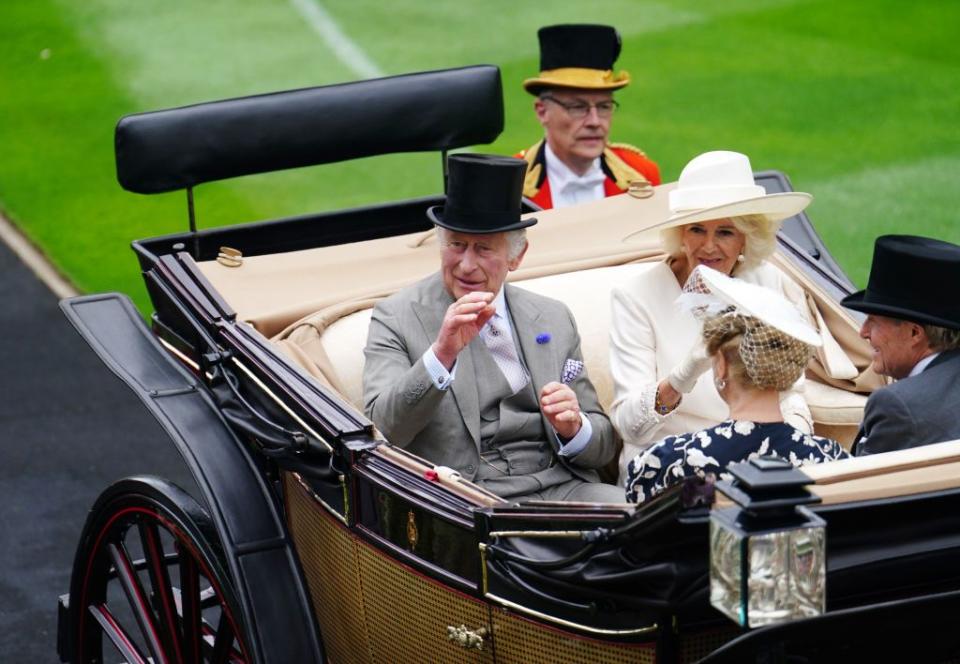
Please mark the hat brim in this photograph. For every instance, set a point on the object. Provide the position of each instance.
(577, 79)
(435, 214)
(761, 303)
(775, 207)
(859, 302)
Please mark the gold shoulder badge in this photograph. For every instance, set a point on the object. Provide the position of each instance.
(532, 180)
(628, 148)
(626, 177)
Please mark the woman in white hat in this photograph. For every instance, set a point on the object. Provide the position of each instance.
(758, 345)
(720, 218)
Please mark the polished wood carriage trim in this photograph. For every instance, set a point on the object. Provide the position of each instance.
(547, 534)
(256, 381)
(342, 518)
(639, 631)
(279, 402)
(173, 350)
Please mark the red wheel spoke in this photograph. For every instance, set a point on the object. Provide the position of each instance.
(138, 601)
(171, 605)
(162, 589)
(190, 603)
(120, 639)
(223, 643)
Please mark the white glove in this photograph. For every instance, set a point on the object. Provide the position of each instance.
(684, 376)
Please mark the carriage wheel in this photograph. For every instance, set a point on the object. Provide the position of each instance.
(149, 581)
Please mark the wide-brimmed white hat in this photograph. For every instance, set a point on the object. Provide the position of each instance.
(761, 303)
(720, 185)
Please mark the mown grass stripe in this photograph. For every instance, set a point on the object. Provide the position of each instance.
(348, 52)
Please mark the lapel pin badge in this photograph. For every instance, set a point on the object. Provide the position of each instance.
(543, 337)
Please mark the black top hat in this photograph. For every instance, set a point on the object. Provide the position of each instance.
(912, 278)
(483, 195)
(578, 56)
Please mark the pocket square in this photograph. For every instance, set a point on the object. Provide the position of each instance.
(571, 369)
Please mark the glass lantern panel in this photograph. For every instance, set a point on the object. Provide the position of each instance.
(787, 576)
(726, 571)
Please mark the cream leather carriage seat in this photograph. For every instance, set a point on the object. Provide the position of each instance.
(587, 293)
(837, 413)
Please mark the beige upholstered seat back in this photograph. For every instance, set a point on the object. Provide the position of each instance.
(587, 293)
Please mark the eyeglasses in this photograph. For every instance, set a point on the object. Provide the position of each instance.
(580, 109)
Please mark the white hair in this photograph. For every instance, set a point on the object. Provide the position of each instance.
(941, 338)
(516, 240)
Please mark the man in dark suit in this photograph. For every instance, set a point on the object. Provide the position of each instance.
(913, 325)
(483, 377)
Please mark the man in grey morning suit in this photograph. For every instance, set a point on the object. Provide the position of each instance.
(913, 325)
(483, 377)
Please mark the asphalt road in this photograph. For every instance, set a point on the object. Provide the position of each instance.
(68, 428)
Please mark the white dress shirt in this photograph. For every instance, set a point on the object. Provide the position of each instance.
(567, 188)
(922, 364)
(442, 379)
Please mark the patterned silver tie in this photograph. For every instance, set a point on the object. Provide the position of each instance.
(499, 342)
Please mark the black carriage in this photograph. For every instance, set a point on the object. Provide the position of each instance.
(308, 537)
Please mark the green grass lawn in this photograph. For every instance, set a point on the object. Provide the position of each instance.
(859, 102)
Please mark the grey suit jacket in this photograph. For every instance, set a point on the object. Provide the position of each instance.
(914, 411)
(444, 426)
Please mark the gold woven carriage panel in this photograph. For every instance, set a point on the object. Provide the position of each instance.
(519, 640)
(328, 555)
(697, 645)
(411, 618)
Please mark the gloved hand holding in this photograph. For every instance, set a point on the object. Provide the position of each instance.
(684, 376)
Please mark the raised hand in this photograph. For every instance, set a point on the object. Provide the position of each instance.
(461, 323)
(560, 405)
(684, 376)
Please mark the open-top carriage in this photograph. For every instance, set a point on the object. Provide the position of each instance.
(309, 537)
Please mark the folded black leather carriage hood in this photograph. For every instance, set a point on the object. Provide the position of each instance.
(648, 569)
(877, 551)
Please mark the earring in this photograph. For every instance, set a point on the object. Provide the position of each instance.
(740, 258)
(719, 383)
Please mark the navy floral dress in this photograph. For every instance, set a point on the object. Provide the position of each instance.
(710, 451)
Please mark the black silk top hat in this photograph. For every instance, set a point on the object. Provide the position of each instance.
(912, 278)
(578, 56)
(483, 195)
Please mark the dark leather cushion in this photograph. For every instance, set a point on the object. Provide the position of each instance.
(432, 111)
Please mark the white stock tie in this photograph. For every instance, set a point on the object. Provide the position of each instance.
(499, 342)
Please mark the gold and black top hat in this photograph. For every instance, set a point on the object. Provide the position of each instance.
(483, 195)
(578, 56)
(912, 278)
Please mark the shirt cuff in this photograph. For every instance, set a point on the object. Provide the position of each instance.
(577, 444)
(441, 378)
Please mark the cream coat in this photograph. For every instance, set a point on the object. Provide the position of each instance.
(649, 336)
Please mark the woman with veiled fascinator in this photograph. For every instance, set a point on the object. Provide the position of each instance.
(758, 345)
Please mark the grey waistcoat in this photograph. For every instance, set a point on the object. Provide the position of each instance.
(516, 457)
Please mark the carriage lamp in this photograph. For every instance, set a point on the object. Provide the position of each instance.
(767, 554)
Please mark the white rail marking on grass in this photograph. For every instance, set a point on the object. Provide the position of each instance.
(342, 46)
